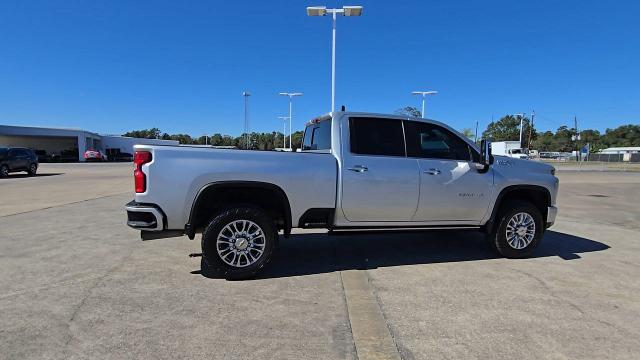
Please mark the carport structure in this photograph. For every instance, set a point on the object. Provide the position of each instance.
(52, 140)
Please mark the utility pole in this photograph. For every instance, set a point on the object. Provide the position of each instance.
(577, 137)
(521, 115)
(246, 118)
(533, 115)
(475, 138)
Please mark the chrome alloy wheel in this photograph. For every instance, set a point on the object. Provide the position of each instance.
(240, 243)
(521, 229)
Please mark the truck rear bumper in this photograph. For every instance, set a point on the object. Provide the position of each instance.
(552, 212)
(147, 217)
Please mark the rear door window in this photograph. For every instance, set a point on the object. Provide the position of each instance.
(376, 136)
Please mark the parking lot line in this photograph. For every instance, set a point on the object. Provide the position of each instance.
(369, 329)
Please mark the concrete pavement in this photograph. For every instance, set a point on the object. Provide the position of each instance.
(75, 282)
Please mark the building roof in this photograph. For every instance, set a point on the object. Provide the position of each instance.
(621, 149)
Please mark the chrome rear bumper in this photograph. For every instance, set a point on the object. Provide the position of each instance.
(144, 217)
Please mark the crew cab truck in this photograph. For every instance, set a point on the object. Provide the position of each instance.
(356, 172)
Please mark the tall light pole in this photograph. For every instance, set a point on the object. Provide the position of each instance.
(345, 11)
(284, 130)
(246, 117)
(290, 95)
(521, 115)
(424, 97)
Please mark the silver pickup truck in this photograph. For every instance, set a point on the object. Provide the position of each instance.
(356, 172)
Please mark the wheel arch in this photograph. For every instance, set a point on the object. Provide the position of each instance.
(538, 195)
(217, 195)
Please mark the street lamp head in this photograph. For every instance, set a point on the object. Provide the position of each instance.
(352, 10)
(423, 93)
(316, 10)
(290, 94)
(245, 93)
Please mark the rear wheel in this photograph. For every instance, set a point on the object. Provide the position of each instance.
(519, 230)
(4, 171)
(33, 168)
(238, 242)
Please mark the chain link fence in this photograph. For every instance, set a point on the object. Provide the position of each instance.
(597, 162)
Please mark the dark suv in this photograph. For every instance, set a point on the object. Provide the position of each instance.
(17, 159)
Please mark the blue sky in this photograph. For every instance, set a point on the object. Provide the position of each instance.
(181, 66)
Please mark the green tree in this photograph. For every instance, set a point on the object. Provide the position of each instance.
(153, 133)
(409, 111)
(508, 129)
(217, 139)
(468, 133)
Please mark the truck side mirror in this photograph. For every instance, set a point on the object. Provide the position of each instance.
(486, 158)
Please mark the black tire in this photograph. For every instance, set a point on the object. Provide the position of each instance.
(4, 171)
(498, 237)
(212, 261)
(33, 168)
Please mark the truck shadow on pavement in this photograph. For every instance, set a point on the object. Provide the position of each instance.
(307, 254)
(19, 176)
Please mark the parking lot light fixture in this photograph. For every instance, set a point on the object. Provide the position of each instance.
(284, 130)
(345, 11)
(424, 96)
(290, 95)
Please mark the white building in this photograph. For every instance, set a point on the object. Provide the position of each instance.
(70, 142)
(621, 150)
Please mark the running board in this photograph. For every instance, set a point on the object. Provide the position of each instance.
(378, 230)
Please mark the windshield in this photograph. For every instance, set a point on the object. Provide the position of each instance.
(3, 152)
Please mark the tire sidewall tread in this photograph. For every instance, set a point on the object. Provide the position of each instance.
(498, 238)
(211, 261)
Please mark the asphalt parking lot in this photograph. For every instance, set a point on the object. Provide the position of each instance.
(75, 282)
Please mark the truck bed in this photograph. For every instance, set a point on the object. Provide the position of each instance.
(180, 172)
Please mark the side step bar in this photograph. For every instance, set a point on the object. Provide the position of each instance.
(383, 230)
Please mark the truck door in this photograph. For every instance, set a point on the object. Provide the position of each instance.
(451, 188)
(379, 183)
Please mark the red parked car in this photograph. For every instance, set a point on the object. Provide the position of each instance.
(94, 155)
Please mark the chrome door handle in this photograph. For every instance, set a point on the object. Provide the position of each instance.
(432, 171)
(358, 168)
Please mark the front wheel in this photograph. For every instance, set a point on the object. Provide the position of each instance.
(4, 171)
(518, 230)
(238, 242)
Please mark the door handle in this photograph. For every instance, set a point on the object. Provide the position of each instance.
(432, 171)
(358, 168)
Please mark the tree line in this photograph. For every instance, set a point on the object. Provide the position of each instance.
(562, 140)
(505, 129)
(257, 141)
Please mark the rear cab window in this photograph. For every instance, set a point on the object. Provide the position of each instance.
(317, 135)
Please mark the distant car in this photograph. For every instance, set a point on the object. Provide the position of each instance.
(43, 156)
(95, 155)
(17, 159)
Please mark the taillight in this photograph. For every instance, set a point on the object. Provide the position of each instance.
(140, 158)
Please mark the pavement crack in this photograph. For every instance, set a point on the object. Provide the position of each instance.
(88, 294)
